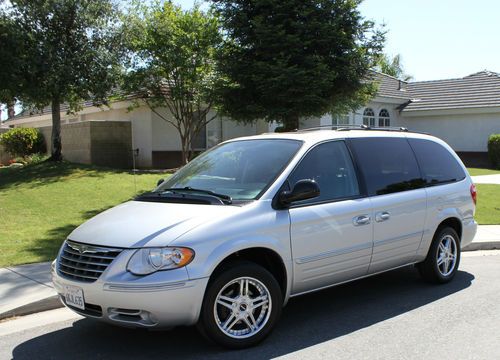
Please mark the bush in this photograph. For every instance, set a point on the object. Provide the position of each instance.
(30, 159)
(23, 141)
(494, 150)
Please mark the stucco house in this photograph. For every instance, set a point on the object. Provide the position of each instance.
(462, 111)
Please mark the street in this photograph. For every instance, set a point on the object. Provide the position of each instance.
(391, 316)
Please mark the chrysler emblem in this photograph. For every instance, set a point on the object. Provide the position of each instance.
(81, 248)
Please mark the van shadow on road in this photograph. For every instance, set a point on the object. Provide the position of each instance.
(306, 321)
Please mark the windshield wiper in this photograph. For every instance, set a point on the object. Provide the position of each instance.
(225, 198)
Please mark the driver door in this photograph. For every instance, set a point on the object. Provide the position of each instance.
(331, 235)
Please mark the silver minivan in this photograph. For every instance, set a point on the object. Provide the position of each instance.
(230, 237)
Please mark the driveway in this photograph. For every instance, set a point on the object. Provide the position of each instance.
(392, 316)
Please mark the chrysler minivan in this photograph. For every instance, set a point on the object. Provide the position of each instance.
(228, 239)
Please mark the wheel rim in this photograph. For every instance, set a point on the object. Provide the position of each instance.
(242, 307)
(447, 255)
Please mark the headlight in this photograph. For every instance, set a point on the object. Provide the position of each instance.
(149, 260)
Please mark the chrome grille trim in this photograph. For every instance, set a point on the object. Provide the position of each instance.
(85, 263)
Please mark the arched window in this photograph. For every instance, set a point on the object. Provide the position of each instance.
(369, 117)
(383, 118)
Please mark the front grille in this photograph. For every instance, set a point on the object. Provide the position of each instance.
(84, 262)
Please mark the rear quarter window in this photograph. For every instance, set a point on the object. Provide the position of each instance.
(388, 165)
(436, 163)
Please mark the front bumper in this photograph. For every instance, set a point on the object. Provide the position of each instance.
(160, 300)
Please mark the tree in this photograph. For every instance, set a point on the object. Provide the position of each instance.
(11, 57)
(172, 65)
(283, 60)
(393, 67)
(71, 54)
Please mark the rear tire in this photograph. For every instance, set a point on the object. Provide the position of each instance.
(443, 258)
(241, 306)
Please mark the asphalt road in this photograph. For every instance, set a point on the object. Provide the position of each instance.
(392, 316)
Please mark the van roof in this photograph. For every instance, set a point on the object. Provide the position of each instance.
(316, 135)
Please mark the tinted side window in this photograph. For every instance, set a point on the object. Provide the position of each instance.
(388, 165)
(437, 164)
(330, 165)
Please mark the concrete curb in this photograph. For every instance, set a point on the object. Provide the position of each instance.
(49, 303)
(482, 245)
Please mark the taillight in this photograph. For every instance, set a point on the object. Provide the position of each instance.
(473, 193)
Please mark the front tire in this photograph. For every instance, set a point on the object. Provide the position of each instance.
(241, 306)
(441, 263)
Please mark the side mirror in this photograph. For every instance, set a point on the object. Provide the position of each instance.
(302, 190)
(161, 181)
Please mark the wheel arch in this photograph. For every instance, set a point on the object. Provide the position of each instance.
(452, 222)
(265, 257)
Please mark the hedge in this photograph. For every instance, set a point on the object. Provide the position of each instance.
(494, 150)
(23, 141)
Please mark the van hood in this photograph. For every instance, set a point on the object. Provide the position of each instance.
(137, 224)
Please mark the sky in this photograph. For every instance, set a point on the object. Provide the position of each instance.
(437, 39)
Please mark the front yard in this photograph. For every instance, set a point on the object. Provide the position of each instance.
(41, 204)
(480, 171)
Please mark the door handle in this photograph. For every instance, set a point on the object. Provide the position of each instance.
(361, 220)
(382, 216)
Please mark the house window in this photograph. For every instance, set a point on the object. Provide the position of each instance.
(369, 117)
(383, 118)
(340, 119)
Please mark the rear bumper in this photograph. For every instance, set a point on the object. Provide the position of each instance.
(469, 229)
(141, 303)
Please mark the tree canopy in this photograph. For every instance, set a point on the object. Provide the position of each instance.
(172, 65)
(70, 54)
(288, 59)
(393, 67)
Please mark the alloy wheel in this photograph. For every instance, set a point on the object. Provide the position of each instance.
(242, 307)
(446, 255)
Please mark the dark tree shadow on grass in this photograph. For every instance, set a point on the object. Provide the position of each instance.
(48, 246)
(48, 172)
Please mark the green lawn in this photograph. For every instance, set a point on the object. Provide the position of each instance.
(41, 204)
(478, 171)
(488, 204)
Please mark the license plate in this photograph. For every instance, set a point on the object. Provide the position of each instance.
(74, 296)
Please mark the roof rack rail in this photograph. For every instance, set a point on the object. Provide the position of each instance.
(348, 127)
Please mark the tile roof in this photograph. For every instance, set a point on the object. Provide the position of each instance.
(477, 90)
(116, 95)
(391, 87)
(481, 89)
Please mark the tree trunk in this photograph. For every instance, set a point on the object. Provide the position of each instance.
(291, 122)
(185, 149)
(10, 109)
(56, 130)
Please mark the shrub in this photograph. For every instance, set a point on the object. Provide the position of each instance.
(494, 150)
(23, 141)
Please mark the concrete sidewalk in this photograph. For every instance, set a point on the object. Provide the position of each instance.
(486, 179)
(487, 238)
(27, 289)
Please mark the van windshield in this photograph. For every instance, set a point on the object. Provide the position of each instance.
(241, 169)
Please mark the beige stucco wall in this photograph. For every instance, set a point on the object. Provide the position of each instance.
(461, 132)
(105, 143)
